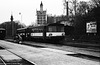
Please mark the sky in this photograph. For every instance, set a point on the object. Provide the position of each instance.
(28, 8)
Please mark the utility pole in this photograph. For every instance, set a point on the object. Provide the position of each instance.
(67, 13)
(67, 9)
(66, 6)
(21, 18)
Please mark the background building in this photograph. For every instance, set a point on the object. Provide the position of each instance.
(41, 16)
(11, 27)
(60, 19)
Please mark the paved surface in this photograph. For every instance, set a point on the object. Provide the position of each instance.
(88, 51)
(43, 56)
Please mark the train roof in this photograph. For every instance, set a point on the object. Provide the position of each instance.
(2, 29)
(52, 24)
(37, 26)
(57, 24)
(22, 28)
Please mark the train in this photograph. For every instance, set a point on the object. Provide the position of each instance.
(54, 32)
(50, 32)
(2, 33)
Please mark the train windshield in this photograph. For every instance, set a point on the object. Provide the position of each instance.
(56, 29)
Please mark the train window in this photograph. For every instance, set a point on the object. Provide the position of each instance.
(37, 30)
(55, 29)
(60, 29)
(51, 28)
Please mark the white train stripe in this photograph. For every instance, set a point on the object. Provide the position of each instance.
(55, 33)
(36, 34)
(49, 34)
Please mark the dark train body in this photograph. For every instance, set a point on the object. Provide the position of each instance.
(51, 32)
(2, 33)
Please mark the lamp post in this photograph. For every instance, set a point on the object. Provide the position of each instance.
(20, 18)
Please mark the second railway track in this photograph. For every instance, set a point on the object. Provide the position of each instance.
(9, 58)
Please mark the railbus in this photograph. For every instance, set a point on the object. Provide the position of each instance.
(50, 32)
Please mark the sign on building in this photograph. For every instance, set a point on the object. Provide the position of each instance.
(91, 27)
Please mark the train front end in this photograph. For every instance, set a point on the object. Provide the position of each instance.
(55, 32)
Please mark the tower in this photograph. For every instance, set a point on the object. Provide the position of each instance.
(41, 16)
(41, 6)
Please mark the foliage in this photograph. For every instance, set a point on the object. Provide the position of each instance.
(17, 24)
(92, 14)
(96, 2)
(82, 8)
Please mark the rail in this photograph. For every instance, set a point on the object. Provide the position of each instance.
(3, 62)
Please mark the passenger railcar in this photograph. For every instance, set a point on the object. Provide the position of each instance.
(50, 32)
(2, 33)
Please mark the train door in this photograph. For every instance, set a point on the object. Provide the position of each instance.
(44, 32)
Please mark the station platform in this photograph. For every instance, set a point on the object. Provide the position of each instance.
(40, 56)
(87, 49)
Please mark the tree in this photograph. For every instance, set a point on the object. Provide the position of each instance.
(96, 2)
(82, 8)
(80, 17)
(95, 15)
(72, 6)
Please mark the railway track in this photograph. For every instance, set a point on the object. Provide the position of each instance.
(9, 58)
(2, 62)
(23, 62)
